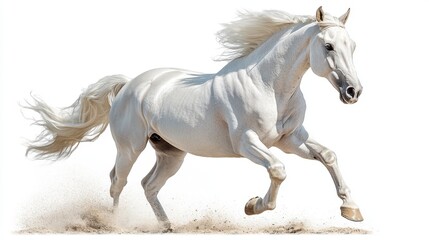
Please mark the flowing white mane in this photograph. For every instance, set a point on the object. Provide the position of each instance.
(245, 34)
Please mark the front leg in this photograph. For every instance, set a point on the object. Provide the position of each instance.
(305, 147)
(249, 146)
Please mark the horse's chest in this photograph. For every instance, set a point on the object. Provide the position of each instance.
(271, 130)
(265, 122)
(292, 114)
(291, 122)
(284, 123)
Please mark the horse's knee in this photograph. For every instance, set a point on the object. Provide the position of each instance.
(277, 172)
(328, 157)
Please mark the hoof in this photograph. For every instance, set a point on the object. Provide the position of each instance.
(166, 227)
(352, 214)
(249, 209)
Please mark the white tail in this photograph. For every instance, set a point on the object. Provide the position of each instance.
(83, 121)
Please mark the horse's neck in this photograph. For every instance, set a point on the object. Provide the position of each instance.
(284, 59)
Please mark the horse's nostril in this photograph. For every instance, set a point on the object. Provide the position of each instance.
(351, 92)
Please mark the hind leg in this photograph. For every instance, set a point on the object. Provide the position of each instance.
(168, 161)
(130, 135)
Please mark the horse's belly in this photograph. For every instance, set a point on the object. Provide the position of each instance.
(205, 146)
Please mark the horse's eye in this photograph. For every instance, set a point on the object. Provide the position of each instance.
(329, 47)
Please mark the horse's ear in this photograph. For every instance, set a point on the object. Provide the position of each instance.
(345, 16)
(320, 15)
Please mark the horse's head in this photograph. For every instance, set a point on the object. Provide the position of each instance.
(331, 56)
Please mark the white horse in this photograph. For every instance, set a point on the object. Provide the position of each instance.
(252, 104)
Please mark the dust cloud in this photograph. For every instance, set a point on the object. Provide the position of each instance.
(91, 218)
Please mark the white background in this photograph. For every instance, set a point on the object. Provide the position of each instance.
(55, 49)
